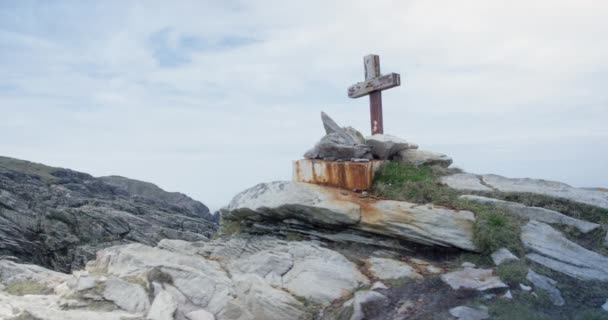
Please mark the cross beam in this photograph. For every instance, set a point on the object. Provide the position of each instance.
(373, 85)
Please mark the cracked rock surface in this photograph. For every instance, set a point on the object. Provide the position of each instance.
(59, 218)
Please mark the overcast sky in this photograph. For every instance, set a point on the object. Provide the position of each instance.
(211, 97)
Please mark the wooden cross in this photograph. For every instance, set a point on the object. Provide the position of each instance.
(373, 85)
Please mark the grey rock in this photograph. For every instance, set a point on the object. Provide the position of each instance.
(128, 296)
(59, 218)
(335, 147)
(471, 278)
(605, 306)
(422, 157)
(329, 208)
(339, 143)
(547, 285)
(386, 146)
(525, 287)
(535, 213)
(465, 181)
(468, 313)
(502, 255)
(200, 314)
(362, 302)
(553, 250)
(355, 134)
(467, 264)
(12, 272)
(163, 307)
(489, 182)
(389, 269)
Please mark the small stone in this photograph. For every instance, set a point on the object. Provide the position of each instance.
(433, 269)
(508, 295)
(489, 296)
(605, 306)
(467, 313)
(468, 265)
(525, 287)
(503, 255)
(471, 278)
(378, 285)
(547, 285)
(419, 262)
(406, 306)
(386, 269)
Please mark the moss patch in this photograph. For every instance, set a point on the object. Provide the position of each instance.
(513, 272)
(23, 287)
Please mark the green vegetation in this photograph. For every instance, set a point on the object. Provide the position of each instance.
(513, 272)
(523, 307)
(494, 227)
(228, 227)
(410, 183)
(23, 287)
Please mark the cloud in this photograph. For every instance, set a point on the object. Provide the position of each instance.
(209, 97)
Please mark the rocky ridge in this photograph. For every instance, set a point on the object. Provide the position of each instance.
(59, 218)
(289, 250)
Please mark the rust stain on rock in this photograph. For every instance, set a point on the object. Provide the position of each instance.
(340, 174)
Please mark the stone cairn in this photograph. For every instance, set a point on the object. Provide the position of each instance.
(344, 158)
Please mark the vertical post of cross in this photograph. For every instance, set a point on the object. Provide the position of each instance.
(372, 71)
(373, 85)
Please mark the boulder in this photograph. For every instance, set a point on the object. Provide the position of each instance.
(339, 143)
(128, 296)
(472, 278)
(332, 208)
(492, 182)
(553, 250)
(468, 313)
(421, 157)
(389, 269)
(535, 213)
(335, 147)
(547, 285)
(384, 146)
(502, 255)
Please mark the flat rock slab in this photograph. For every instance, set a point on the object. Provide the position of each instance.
(553, 250)
(334, 208)
(492, 182)
(422, 157)
(472, 278)
(535, 213)
(547, 285)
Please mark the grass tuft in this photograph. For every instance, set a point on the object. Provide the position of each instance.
(24, 287)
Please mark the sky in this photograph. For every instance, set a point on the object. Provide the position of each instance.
(209, 98)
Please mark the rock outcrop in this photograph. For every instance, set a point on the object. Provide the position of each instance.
(422, 157)
(535, 213)
(59, 218)
(492, 182)
(236, 278)
(335, 209)
(553, 250)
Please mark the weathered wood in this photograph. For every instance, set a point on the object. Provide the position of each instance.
(371, 63)
(375, 109)
(384, 82)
